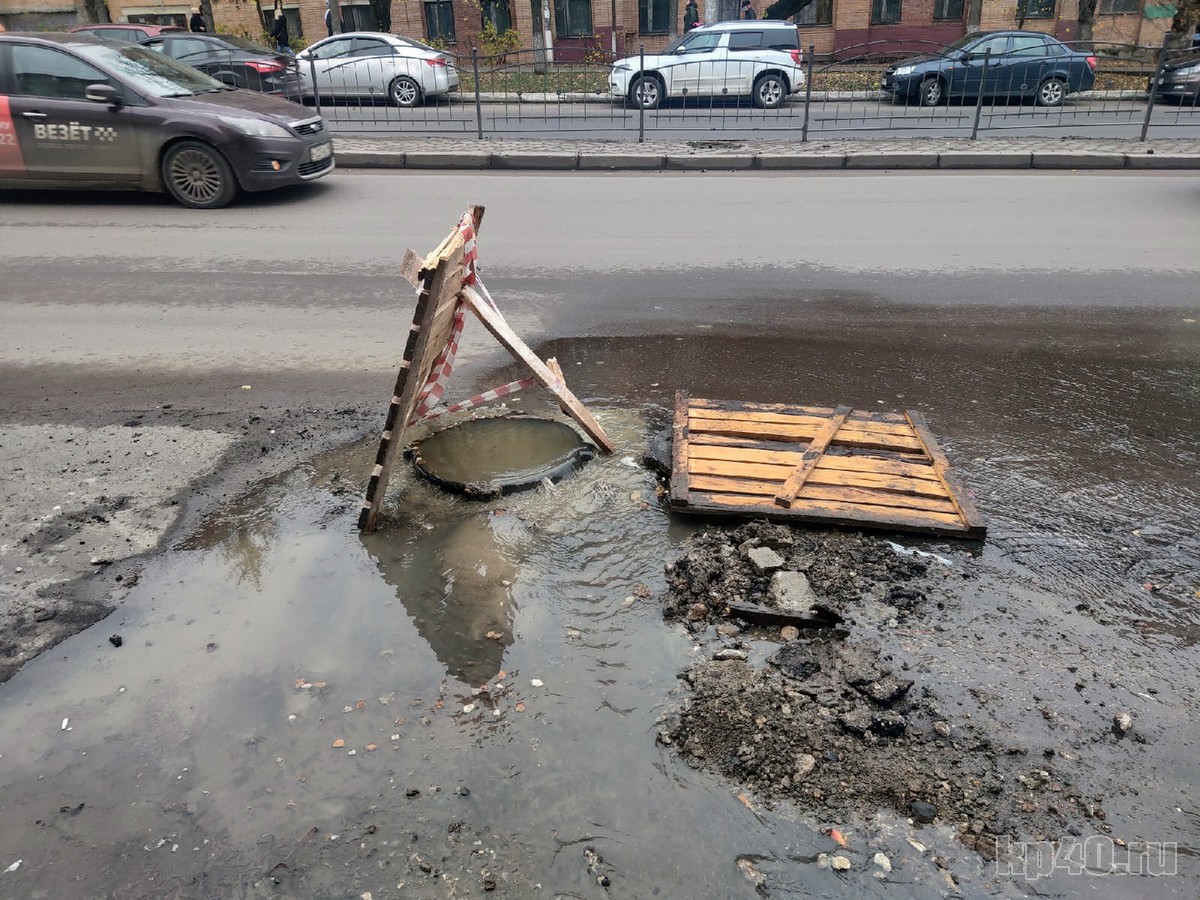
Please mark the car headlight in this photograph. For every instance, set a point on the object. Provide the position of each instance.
(255, 127)
(905, 70)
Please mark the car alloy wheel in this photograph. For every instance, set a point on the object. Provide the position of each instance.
(646, 92)
(405, 92)
(768, 91)
(930, 92)
(1051, 92)
(197, 176)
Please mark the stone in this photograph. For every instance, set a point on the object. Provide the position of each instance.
(697, 612)
(886, 690)
(728, 630)
(840, 863)
(888, 724)
(942, 729)
(764, 559)
(789, 633)
(856, 722)
(796, 660)
(728, 654)
(791, 592)
(881, 860)
(922, 812)
(1122, 722)
(805, 763)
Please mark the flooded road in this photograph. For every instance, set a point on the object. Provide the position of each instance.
(467, 702)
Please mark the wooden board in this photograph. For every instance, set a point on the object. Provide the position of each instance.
(440, 277)
(830, 466)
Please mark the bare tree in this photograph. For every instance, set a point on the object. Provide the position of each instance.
(1183, 26)
(539, 39)
(206, 14)
(1087, 20)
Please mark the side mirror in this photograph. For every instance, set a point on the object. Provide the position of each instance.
(102, 93)
(682, 50)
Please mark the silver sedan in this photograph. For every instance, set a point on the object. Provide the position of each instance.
(373, 65)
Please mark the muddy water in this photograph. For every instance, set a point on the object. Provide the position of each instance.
(198, 757)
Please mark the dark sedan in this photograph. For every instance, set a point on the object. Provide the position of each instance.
(1004, 64)
(235, 61)
(1180, 81)
(80, 112)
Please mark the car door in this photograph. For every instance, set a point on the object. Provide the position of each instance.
(968, 75)
(326, 62)
(1026, 60)
(744, 59)
(691, 72)
(370, 68)
(62, 135)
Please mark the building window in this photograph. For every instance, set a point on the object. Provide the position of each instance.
(1035, 9)
(572, 18)
(357, 17)
(947, 10)
(885, 12)
(292, 14)
(158, 19)
(818, 12)
(439, 20)
(654, 16)
(1118, 6)
(497, 13)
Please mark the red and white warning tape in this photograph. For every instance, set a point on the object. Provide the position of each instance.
(435, 385)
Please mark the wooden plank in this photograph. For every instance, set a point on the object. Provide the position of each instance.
(958, 495)
(766, 615)
(410, 268)
(826, 411)
(827, 478)
(917, 457)
(679, 450)
(828, 511)
(716, 484)
(870, 464)
(422, 348)
(801, 417)
(801, 432)
(494, 322)
(808, 461)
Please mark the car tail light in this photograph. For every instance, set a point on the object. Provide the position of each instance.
(795, 56)
(1091, 61)
(262, 68)
(437, 63)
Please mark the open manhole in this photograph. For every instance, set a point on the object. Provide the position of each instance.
(486, 458)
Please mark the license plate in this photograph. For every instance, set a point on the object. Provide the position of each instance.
(321, 151)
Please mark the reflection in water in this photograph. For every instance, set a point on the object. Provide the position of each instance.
(457, 587)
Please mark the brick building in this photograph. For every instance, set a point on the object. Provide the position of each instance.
(577, 27)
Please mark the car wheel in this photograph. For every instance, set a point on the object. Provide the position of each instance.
(769, 92)
(931, 92)
(197, 176)
(646, 92)
(1051, 92)
(405, 92)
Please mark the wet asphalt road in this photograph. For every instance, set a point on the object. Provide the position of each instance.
(1045, 324)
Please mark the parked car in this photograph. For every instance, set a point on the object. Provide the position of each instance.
(125, 32)
(755, 58)
(232, 60)
(369, 64)
(1019, 64)
(77, 111)
(1180, 81)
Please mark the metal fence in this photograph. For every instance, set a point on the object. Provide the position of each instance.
(1095, 89)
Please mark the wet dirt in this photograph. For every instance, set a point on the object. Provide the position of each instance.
(499, 674)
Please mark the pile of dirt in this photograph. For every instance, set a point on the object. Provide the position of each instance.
(830, 721)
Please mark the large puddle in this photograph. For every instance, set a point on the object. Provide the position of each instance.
(295, 710)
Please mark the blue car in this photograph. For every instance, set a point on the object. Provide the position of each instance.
(1018, 64)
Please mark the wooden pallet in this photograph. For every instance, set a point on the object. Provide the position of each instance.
(815, 464)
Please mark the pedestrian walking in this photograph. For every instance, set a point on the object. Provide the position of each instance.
(279, 31)
(748, 10)
(328, 19)
(691, 15)
(196, 23)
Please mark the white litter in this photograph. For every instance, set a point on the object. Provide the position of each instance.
(536, 682)
(629, 461)
(63, 727)
(913, 551)
(14, 866)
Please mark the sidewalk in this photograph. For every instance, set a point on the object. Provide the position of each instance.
(465, 152)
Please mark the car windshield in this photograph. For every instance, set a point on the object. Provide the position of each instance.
(150, 72)
(963, 41)
(410, 42)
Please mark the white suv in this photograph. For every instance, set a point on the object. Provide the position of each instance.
(756, 57)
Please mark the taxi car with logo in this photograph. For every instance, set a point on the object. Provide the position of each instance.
(80, 112)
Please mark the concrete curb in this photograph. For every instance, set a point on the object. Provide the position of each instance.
(687, 159)
(544, 97)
